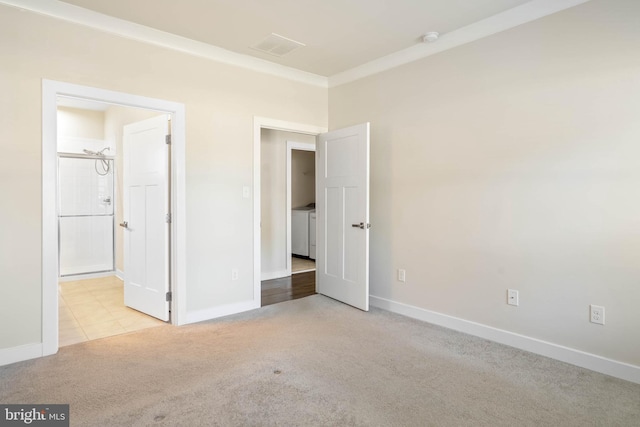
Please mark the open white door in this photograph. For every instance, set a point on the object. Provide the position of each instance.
(146, 209)
(342, 208)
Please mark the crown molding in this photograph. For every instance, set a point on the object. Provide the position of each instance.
(519, 15)
(133, 31)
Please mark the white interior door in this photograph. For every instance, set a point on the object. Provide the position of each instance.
(342, 209)
(146, 205)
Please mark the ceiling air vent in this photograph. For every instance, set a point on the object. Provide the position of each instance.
(277, 45)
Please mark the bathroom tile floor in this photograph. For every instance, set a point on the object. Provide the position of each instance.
(94, 308)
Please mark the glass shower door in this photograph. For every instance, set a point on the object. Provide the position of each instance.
(85, 216)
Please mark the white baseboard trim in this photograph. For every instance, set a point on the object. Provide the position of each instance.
(225, 310)
(20, 353)
(274, 275)
(120, 274)
(589, 361)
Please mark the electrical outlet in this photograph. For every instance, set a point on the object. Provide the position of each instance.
(246, 192)
(597, 314)
(402, 275)
(512, 297)
(234, 274)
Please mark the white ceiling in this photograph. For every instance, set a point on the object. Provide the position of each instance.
(338, 34)
(344, 39)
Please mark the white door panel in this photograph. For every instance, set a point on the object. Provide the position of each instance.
(342, 188)
(146, 203)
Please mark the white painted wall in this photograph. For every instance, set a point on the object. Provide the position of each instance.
(273, 182)
(513, 162)
(221, 102)
(78, 123)
(81, 129)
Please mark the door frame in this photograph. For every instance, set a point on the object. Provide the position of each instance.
(260, 123)
(301, 146)
(51, 89)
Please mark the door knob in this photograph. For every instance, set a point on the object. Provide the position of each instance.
(124, 224)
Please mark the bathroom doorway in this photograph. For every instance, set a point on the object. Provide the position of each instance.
(52, 91)
(90, 195)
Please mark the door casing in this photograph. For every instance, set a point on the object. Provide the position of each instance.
(50, 91)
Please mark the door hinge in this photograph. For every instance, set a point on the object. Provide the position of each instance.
(169, 295)
(168, 139)
(168, 218)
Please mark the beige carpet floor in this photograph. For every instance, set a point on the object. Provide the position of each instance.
(316, 362)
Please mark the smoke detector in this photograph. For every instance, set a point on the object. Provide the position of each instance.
(430, 37)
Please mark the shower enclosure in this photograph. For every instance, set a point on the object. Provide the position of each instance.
(85, 213)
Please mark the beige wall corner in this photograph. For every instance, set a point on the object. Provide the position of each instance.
(513, 162)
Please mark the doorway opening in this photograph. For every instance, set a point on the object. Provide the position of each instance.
(91, 300)
(53, 92)
(274, 143)
(343, 210)
(301, 206)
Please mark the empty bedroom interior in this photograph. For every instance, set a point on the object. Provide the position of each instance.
(510, 162)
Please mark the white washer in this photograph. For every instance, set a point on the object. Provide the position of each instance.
(300, 230)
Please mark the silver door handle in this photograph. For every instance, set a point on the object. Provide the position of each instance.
(124, 224)
(361, 225)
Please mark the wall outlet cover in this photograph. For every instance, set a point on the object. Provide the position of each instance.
(596, 314)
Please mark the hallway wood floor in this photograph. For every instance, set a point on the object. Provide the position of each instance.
(288, 288)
